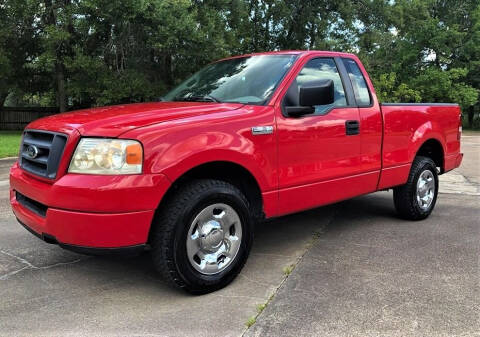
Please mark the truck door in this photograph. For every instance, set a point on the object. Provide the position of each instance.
(319, 155)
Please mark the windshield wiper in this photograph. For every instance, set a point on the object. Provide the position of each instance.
(206, 98)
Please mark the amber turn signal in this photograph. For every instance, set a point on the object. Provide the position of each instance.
(134, 154)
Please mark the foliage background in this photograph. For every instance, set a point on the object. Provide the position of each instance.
(82, 53)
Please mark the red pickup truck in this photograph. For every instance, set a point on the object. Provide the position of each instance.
(245, 138)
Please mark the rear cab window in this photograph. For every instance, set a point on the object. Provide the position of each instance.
(360, 87)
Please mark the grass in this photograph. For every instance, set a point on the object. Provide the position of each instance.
(470, 131)
(251, 321)
(9, 143)
(260, 307)
(288, 269)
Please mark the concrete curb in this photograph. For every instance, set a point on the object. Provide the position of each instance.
(7, 158)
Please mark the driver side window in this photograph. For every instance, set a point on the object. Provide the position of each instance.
(315, 70)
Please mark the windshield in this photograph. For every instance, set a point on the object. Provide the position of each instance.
(247, 80)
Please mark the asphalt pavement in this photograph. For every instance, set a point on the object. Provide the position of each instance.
(47, 291)
(358, 270)
(372, 274)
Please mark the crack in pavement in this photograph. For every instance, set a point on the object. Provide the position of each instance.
(255, 281)
(32, 266)
(315, 238)
(7, 275)
(237, 296)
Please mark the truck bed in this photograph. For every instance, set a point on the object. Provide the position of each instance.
(406, 126)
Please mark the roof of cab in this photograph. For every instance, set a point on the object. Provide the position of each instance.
(297, 52)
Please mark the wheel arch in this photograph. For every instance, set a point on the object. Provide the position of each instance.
(227, 171)
(433, 149)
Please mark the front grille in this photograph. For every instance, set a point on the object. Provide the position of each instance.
(31, 204)
(41, 151)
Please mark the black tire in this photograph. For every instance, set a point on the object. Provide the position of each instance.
(405, 196)
(171, 226)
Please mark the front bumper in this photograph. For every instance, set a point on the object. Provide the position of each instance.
(82, 211)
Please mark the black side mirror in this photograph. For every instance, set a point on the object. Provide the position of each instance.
(317, 93)
(312, 94)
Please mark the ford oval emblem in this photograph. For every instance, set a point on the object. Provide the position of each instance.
(32, 151)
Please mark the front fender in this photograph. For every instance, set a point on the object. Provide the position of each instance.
(176, 147)
(254, 164)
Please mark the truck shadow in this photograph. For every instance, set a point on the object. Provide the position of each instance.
(278, 243)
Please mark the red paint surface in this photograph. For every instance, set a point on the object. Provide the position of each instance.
(306, 162)
(88, 229)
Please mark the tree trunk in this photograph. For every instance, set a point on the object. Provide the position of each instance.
(3, 97)
(471, 112)
(169, 69)
(59, 71)
(60, 80)
(313, 36)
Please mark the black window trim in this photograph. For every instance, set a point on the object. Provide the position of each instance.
(347, 84)
(355, 94)
(347, 87)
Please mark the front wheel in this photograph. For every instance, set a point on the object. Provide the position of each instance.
(202, 236)
(416, 199)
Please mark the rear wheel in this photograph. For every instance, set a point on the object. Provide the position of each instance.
(416, 199)
(202, 236)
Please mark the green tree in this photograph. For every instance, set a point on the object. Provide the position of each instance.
(469, 55)
(82, 53)
(412, 49)
(389, 91)
(18, 47)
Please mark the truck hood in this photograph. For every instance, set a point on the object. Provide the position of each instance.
(112, 121)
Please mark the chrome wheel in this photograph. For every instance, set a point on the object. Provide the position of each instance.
(425, 189)
(214, 238)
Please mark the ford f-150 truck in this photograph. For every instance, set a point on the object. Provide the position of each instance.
(244, 139)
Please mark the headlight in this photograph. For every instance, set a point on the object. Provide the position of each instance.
(107, 156)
